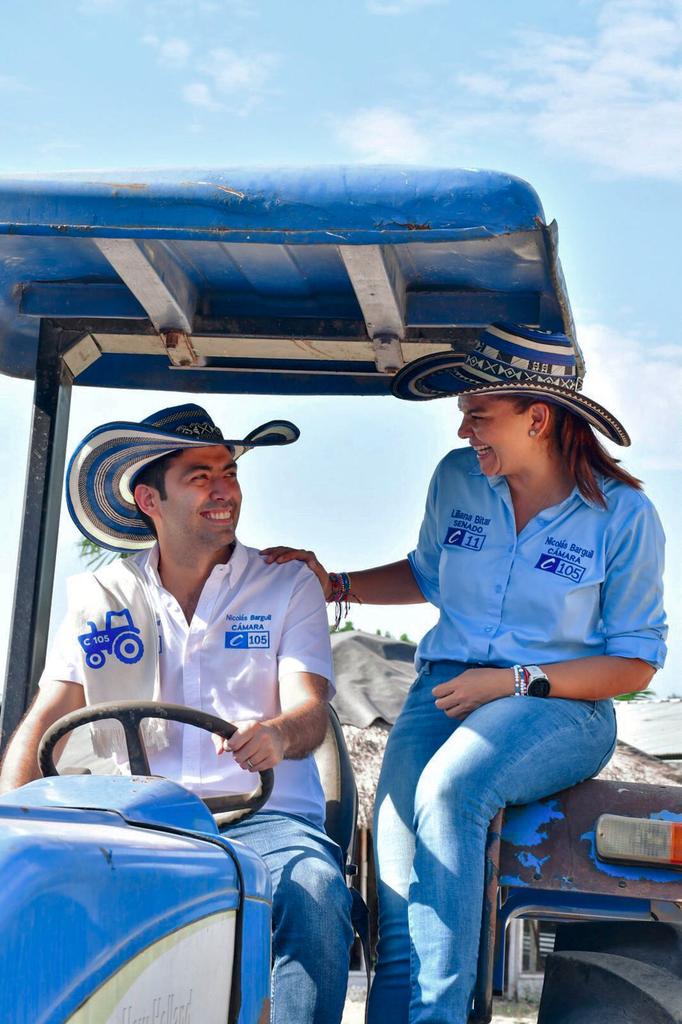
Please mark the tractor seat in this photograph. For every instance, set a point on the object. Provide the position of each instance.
(338, 782)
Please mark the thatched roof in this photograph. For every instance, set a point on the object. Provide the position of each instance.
(361, 694)
(373, 675)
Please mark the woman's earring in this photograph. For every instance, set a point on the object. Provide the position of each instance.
(532, 433)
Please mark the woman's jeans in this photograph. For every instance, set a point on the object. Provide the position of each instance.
(442, 781)
(311, 925)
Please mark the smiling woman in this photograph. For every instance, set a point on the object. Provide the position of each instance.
(544, 560)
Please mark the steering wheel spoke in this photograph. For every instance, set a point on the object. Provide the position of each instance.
(137, 755)
(131, 714)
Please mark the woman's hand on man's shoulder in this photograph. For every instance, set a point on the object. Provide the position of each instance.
(282, 554)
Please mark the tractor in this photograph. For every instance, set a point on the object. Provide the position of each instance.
(123, 903)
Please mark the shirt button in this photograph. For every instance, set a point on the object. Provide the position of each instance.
(510, 548)
(488, 629)
(498, 589)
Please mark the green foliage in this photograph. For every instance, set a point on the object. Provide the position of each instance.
(95, 557)
(347, 627)
(637, 695)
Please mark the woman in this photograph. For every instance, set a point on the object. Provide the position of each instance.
(544, 559)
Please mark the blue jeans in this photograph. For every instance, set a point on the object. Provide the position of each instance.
(311, 929)
(441, 783)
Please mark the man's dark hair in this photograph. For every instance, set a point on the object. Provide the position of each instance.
(154, 475)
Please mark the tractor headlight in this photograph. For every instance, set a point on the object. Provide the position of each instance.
(639, 840)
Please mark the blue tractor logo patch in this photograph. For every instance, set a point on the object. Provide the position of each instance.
(122, 640)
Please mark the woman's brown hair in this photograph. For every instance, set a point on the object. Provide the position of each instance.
(585, 456)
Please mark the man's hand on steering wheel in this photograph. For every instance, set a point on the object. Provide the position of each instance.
(255, 745)
(131, 714)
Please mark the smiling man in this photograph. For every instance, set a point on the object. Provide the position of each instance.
(198, 619)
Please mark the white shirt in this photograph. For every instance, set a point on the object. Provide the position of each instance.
(254, 624)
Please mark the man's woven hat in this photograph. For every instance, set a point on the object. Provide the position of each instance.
(100, 478)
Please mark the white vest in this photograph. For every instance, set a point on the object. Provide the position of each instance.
(116, 622)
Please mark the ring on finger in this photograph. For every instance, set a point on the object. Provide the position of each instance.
(249, 763)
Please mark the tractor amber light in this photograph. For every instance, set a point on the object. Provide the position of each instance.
(639, 840)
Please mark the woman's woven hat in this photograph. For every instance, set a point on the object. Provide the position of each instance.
(509, 359)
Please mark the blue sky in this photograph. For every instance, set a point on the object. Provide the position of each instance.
(584, 100)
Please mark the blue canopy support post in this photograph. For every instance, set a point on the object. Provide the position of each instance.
(42, 502)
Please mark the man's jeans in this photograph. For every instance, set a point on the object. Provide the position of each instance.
(312, 933)
(442, 781)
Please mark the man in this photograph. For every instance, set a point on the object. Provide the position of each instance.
(208, 624)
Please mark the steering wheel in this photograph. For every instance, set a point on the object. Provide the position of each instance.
(131, 713)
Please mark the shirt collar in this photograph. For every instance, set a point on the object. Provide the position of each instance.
(588, 501)
(237, 564)
(495, 482)
(150, 565)
(231, 570)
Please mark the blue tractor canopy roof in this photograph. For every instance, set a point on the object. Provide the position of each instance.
(317, 281)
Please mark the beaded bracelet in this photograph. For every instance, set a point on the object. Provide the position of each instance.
(340, 595)
(520, 681)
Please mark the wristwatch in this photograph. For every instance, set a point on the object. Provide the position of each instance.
(537, 684)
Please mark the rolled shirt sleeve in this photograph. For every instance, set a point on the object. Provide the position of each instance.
(632, 611)
(425, 559)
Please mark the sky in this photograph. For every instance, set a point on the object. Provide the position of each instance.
(582, 99)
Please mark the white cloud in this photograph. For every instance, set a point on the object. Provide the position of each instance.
(243, 80)
(199, 95)
(614, 100)
(397, 7)
(639, 380)
(233, 81)
(223, 79)
(172, 51)
(380, 135)
(611, 98)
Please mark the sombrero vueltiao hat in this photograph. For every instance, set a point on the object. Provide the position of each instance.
(101, 474)
(509, 360)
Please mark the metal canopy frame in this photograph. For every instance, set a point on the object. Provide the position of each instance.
(40, 528)
(292, 282)
(208, 273)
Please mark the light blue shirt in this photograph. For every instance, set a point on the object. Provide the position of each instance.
(577, 581)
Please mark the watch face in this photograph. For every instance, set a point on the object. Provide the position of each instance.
(539, 687)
